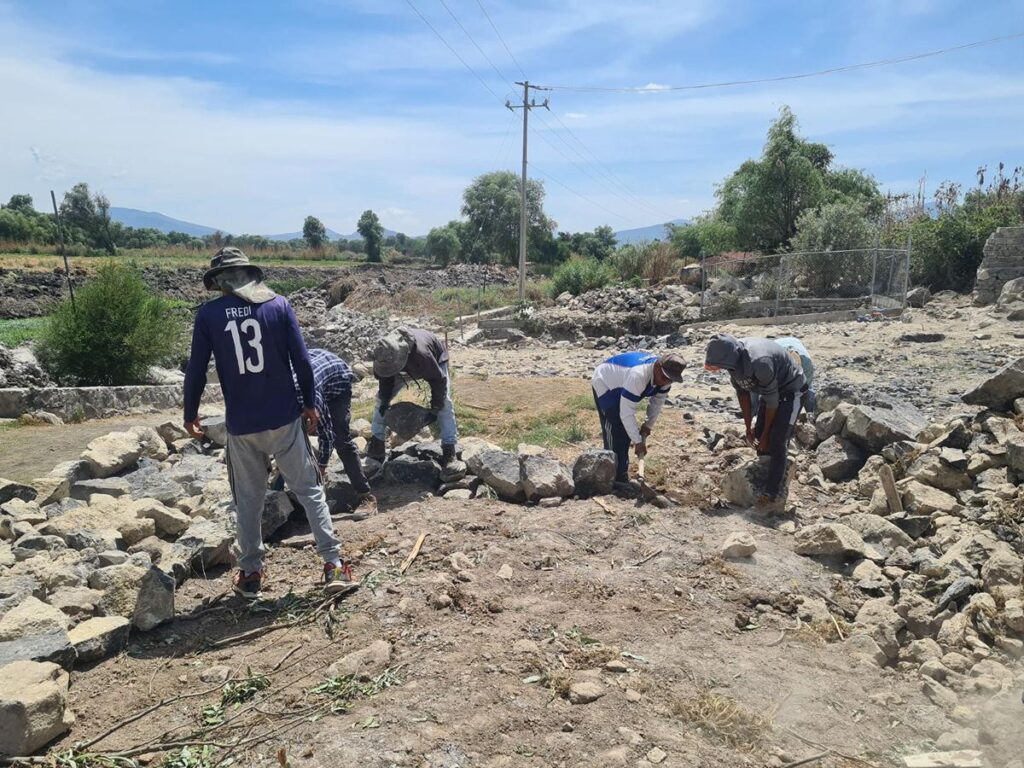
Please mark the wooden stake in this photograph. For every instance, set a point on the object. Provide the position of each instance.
(892, 494)
(414, 553)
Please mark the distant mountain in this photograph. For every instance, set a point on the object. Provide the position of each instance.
(646, 234)
(132, 217)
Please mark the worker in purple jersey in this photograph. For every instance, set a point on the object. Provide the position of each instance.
(255, 341)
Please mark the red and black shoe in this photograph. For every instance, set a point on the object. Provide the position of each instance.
(248, 585)
(338, 579)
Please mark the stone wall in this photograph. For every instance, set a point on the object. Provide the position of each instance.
(72, 403)
(1003, 261)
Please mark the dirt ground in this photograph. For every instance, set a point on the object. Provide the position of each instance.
(694, 661)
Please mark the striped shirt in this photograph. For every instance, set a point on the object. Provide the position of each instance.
(622, 381)
(332, 378)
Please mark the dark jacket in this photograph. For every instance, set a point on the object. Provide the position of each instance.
(426, 356)
(761, 366)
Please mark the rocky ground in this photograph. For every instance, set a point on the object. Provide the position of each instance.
(545, 620)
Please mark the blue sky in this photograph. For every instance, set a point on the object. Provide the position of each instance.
(249, 116)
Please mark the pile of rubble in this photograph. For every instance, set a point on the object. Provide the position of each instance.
(352, 335)
(617, 311)
(931, 537)
(19, 368)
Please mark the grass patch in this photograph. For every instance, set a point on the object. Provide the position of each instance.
(14, 333)
(723, 718)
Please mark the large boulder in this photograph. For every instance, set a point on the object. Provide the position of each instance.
(1012, 292)
(877, 530)
(12, 490)
(839, 459)
(168, 521)
(143, 595)
(922, 499)
(50, 646)
(208, 542)
(745, 482)
(1000, 389)
(83, 490)
(832, 422)
(406, 419)
(32, 617)
(931, 470)
(500, 471)
(112, 453)
(100, 637)
(33, 706)
(830, 539)
(153, 445)
(918, 297)
(544, 478)
(410, 470)
(277, 508)
(873, 428)
(593, 473)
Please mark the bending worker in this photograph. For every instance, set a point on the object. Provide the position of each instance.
(417, 355)
(620, 383)
(764, 368)
(332, 380)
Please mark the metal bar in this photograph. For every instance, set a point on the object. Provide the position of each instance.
(63, 251)
(778, 285)
(522, 201)
(703, 284)
(874, 271)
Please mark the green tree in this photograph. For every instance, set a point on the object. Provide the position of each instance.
(443, 244)
(117, 329)
(21, 204)
(764, 198)
(708, 236)
(78, 214)
(491, 206)
(314, 232)
(841, 226)
(102, 223)
(373, 233)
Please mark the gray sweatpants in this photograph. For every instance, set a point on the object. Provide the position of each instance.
(248, 457)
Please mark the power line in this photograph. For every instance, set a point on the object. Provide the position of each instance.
(599, 166)
(487, 58)
(803, 75)
(502, 39)
(578, 194)
(450, 48)
(641, 205)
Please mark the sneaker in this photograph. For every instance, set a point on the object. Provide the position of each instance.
(248, 584)
(338, 579)
(367, 503)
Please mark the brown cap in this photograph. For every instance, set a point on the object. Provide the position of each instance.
(672, 365)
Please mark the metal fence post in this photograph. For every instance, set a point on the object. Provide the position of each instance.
(778, 284)
(874, 272)
(906, 271)
(703, 284)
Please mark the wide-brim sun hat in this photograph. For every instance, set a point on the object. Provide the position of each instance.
(672, 365)
(229, 258)
(391, 354)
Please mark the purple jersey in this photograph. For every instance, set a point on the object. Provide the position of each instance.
(255, 347)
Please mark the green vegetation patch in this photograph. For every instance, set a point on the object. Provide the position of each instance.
(14, 333)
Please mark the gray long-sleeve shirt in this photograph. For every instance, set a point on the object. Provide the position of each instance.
(760, 366)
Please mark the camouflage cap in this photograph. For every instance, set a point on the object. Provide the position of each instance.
(391, 354)
(226, 258)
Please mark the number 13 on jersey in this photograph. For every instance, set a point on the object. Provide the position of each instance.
(254, 337)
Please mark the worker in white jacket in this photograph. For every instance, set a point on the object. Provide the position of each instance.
(620, 383)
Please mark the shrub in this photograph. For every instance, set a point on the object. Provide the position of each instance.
(652, 262)
(579, 276)
(116, 330)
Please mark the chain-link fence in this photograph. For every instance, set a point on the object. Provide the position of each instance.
(751, 285)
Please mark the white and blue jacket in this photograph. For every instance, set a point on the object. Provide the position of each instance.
(620, 383)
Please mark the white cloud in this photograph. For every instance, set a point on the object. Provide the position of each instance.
(575, 115)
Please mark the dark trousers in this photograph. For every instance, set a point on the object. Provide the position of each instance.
(615, 439)
(778, 440)
(341, 413)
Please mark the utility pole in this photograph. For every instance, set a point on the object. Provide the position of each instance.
(63, 250)
(526, 106)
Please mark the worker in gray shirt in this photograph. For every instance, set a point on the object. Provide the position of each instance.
(764, 368)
